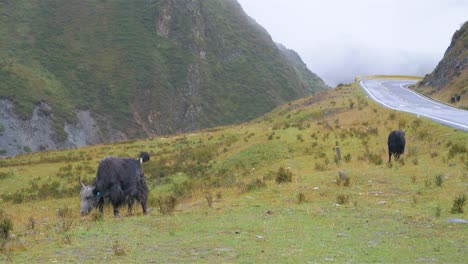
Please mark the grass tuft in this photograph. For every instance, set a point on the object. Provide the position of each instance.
(167, 204)
(301, 198)
(342, 199)
(118, 249)
(438, 211)
(97, 216)
(439, 179)
(255, 185)
(283, 175)
(458, 204)
(209, 199)
(6, 226)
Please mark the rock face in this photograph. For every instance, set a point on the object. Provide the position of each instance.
(19, 135)
(123, 69)
(37, 134)
(449, 80)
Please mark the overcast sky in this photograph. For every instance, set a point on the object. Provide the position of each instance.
(339, 39)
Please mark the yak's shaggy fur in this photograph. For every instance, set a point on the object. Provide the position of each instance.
(119, 181)
(396, 144)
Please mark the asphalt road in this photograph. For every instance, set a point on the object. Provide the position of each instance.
(392, 93)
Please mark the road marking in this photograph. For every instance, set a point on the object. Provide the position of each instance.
(427, 99)
(422, 114)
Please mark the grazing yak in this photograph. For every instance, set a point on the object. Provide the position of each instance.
(118, 180)
(396, 144)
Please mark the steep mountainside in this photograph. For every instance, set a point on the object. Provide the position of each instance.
(308, 78)
(449, 81)
(99, 71)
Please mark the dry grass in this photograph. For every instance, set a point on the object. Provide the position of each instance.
(458, 86)
(238, 183)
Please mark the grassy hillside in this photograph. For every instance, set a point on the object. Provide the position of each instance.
(262, 191)
(450, 78)
(161, 66)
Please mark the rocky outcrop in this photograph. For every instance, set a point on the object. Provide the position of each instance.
(18, 136)
(164, 19)
(38, 134)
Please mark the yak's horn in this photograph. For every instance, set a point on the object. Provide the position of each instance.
(82, 184)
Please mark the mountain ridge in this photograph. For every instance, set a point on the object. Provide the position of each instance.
(133, 69)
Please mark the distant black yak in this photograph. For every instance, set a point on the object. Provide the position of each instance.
(118, 180)
(144, 157)
(396, 144)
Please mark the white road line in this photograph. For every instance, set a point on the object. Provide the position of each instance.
(373, 97)
(417, 113)
(428, 99)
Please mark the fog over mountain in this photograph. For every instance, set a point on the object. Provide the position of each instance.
(341, 39)
(343, 64)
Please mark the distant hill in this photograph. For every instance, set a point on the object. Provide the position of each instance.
(449, 80)
(74, 73)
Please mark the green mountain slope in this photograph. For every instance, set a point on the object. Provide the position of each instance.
(140, 67)
(450, 78)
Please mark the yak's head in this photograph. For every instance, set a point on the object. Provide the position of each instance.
(89, 198)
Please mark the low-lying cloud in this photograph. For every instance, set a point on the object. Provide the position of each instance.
(343, 65)
(340, 39)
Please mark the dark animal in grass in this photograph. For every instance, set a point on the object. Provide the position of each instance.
(396, 144)
(144, 157)
(118, 181)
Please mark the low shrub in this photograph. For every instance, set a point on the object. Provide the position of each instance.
(320, 166)
(283, 175)
(343, 181)
(347, 157)
(439, 179)
(209, 199)
(342, 199)
(372, 131)
(458, 204)
(374, 158)
(31, 224)
(456, 149)
(118, 249)
(438, 211)
(66, 219)
(4, 175)
(255, 185)
(301, 198)
(300, 138)
(167, 204)
(97, 216)
(41, 192)
(184, 188)
(6, 225)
